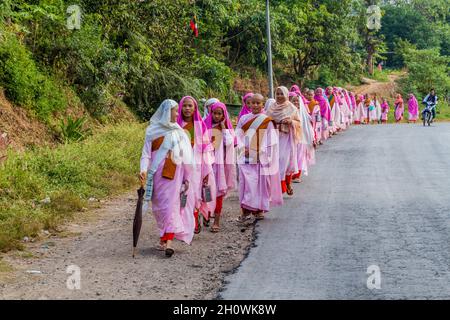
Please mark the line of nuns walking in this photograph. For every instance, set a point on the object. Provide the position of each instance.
(190, 162)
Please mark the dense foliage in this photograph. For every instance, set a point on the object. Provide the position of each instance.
(142, 51)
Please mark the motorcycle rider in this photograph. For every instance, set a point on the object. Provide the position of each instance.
(431, 100)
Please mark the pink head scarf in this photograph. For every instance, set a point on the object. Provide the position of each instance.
(295, 88)
(353, 99)
(227, 121)
(245, 109)
(413, 105)
(324, 110)
(201, 136)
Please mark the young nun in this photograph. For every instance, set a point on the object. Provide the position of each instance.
(413, 109)
(377, 105)
(325, 112)
(399, 108)
(245, 107)
(202, 179)
(259, 177)
(314, 111)
(287, 121)
(358, 116)
(224, 141)
(207, 107)
(367, 108)
(305, 149)
(353, 105)
(347, 110)
(166, 168)
(384, 111)
(336, 115)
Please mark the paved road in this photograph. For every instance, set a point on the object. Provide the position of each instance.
(379, 195)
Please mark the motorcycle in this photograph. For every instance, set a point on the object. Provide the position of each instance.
(427, 114)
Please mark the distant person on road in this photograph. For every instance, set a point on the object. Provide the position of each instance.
(358, 114)
(384, 111)
(398, 108)
(314, 111)
(325, 113)
(223, 138)
(305, 149)
(413, 108)
(258, 153)
(368, 108)
(377, 104)
(432, 100)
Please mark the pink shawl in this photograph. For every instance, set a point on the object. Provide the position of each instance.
(226, 166)
(324, 110)
(245, 109)
(227, 121)
(413, 106)
(201, 137)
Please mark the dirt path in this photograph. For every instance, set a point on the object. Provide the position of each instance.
(382, 89)
(100, 245)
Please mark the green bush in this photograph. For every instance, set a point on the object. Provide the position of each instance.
(216, 74)
(426, 69)
(24, 83)
(73, 129)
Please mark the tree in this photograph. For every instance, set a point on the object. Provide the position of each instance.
(426, 69)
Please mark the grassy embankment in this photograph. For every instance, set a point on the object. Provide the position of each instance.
(104, 164)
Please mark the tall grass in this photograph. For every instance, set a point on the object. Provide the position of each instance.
(102, 165)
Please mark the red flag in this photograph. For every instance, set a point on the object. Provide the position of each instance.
(194, 26)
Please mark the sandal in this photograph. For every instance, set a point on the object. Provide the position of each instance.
(169, 252)
(215, 229)
(289, 190)
(161, 247)
(198, 225)
(243, 218)
(260, 216)
(206, 222)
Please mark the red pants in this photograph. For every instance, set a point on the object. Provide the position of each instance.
(297, 175)
(285, 183)
(219, 204)
(168, 236)
(196, 219)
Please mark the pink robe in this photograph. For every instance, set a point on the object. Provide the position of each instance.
(224, 166)
(170, 217)
(399, 109)
(259, 183)
(204, 159)
(317, 123)
(384, 111)
(413, 109)
(358, 116)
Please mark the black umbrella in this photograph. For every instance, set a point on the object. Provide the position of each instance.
(137, 223)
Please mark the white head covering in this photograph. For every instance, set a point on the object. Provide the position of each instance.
(206, 106)
(160, 125)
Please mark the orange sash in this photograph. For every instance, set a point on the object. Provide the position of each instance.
(169, 167)
(256, 140)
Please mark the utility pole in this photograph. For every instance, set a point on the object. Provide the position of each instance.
(269, 50)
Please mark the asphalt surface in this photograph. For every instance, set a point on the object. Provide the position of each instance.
(378, 196)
